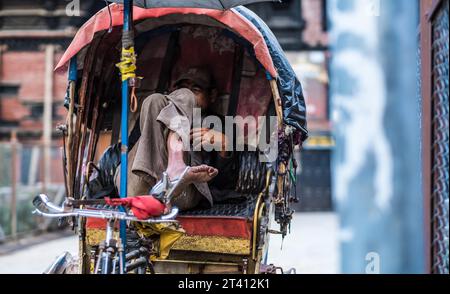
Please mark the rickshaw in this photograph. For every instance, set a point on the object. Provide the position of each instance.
(254, 78)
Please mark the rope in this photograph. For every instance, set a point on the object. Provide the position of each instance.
(134, 100)
(127, 64)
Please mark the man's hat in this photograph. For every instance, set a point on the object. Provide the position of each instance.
(200, 76)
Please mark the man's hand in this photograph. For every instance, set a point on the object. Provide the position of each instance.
(202, 137)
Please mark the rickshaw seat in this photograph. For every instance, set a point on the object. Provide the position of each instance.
(225, 228)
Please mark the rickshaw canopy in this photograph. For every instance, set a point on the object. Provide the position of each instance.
(230, 18)
(239, 20)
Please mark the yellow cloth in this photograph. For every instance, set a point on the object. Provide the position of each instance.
(169, 234)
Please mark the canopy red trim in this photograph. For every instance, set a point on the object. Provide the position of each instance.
(229, 18)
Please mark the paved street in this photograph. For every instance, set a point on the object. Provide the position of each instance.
(311, 248)
(35, 259)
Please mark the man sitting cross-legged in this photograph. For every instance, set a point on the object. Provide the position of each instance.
(165, 120)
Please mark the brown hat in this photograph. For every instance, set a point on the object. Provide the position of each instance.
(200, 76)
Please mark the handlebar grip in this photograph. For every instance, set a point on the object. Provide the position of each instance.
(37, 202)
(42, 201)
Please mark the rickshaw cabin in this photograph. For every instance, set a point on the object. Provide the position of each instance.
(168, 41)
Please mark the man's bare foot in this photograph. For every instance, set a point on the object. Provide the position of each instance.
(195, 174)
(176, 165)
(190, 175)
(200, 174)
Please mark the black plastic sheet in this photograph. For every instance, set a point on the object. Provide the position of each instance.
(102, 183)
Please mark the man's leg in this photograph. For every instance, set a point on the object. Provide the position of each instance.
(176, 164)
(150, 157)
(175, 167)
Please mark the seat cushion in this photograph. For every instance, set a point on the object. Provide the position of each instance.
(228, 235)
(224, 228)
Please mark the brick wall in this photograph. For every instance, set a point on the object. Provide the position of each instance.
(21, 107)
(314, 34)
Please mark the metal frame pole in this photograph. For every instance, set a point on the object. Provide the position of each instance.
(127, 22)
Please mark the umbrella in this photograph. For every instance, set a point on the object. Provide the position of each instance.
(211, 4)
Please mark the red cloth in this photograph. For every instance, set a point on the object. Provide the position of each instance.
(143, 207)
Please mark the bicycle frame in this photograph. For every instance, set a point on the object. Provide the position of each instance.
(109, 250)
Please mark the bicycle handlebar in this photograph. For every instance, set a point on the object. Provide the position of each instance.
(55, 211)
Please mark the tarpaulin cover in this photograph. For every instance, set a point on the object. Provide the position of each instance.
(294, 106)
